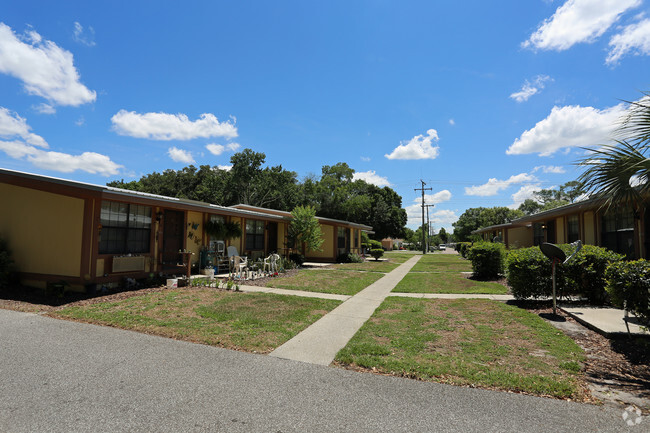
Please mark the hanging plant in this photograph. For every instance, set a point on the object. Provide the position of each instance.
(223, 230)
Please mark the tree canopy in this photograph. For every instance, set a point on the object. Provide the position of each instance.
(475, 218)
(547, 199)
(335, 194)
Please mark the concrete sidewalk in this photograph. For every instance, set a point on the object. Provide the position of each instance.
(320, 342)
(610, 322)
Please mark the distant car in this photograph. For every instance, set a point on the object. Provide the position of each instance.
(442, 247)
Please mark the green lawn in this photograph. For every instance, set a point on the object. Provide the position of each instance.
(467, 342)
(442, 263)
(446, 282)
(327, 281)
(254, 322)
(370, 266)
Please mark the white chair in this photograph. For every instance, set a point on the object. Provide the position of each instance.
(271, 262)
(238, 265)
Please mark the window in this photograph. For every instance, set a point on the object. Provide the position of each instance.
(126, 228)
(254, 235)
(573, 228)
(341, 237)
(618, 231)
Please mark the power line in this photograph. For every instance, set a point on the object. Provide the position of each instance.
(424, 251)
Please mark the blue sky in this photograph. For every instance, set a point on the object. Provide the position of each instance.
(484, 101)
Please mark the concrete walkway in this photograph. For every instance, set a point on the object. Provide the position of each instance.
(320, 342)
(610, 322)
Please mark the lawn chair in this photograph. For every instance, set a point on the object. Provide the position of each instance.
(238, 265)
(271, 263)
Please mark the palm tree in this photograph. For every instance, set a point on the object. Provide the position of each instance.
(620, 173)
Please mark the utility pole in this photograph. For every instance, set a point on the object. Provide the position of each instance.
(424, 251)
(429, 231)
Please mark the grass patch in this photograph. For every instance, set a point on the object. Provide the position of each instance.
(371, 266)
(255, 322)
(468, 342)
(442, 263)
(446, 282)
(398, 256)
(327, 281)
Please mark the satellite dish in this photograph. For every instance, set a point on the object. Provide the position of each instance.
(553, 252)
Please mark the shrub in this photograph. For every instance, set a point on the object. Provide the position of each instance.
(7, 270)
(463, 248)
(529, 273)
(586, 272)
(349, 258)
(628, 284)
(374, 245)
(487, 260)
(297, 258)
(377, 253)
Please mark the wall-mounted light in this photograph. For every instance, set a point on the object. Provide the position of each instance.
(543, 226)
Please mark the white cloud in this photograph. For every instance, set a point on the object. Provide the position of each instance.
(225, 167)
(25, 144)
(525, 192)
(44, 108)
(218, 149)
(529, 89)
(439, 197)
(13, 126)
(550, 169)
(418, 147)
(84, 37)
(365, 159)
(634, 39)
(452, 122)
(89, 162)
(215, 149)
(45, 69)
(566, 127)
(180, 155)
(493, 185)
(80, 121)
(371, 177)
(164, 126)
(443, 218)
(578, 21)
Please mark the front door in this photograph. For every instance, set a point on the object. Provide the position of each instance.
(272, 238)
(173, 233)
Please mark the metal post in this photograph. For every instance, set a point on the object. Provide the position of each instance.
(424, 251)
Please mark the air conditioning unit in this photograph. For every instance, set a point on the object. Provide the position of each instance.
(128, 264)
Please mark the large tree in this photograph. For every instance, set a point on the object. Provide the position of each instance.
(475, 218)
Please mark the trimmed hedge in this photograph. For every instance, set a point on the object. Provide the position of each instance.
(487, 259)
(377, 253)
(529, 273)
(628, 284)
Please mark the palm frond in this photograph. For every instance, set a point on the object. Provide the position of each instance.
(610, 170)
(634, 127)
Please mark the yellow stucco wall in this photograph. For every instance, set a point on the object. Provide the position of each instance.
(281, 235)
(44, 230)
(520, 237)
(328, 244)
(560, 237)
(194, 235)
(589, 228)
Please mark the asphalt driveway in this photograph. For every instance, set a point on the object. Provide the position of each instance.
(63, 376)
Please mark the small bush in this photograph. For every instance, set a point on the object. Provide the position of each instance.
(628, 284)
(377, 253)
(297, 258)
(349, 258)
(487, 260)
(463, 248)
(586, 272)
